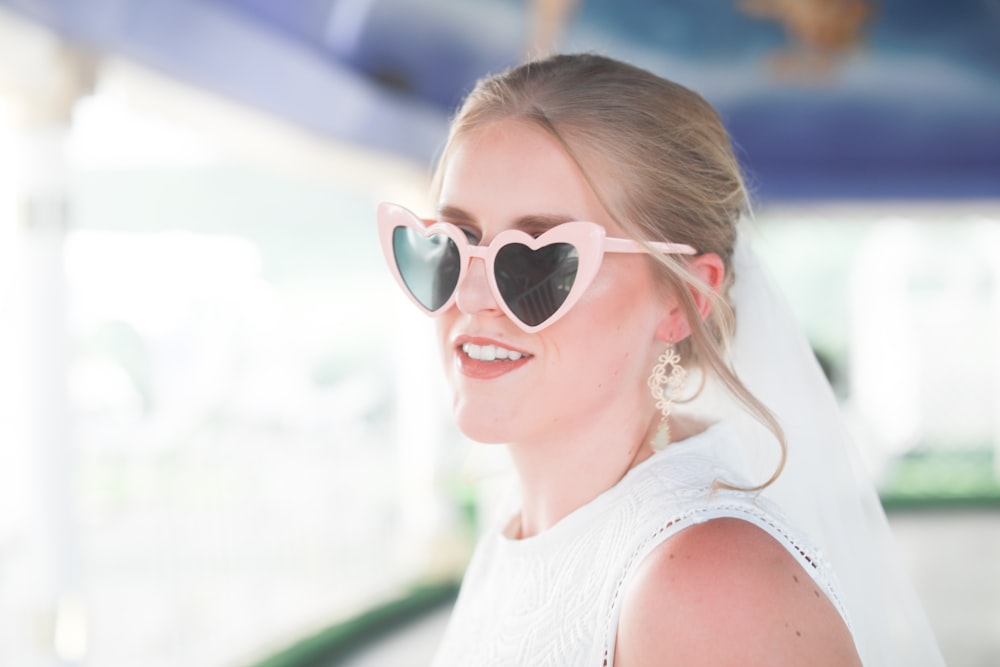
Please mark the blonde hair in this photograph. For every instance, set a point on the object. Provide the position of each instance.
(659, 159)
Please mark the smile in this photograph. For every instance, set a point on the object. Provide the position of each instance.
(491, 353)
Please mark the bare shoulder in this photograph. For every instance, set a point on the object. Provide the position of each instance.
(726, 593)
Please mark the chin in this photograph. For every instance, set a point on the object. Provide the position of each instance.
(487, 435)
(488, 429)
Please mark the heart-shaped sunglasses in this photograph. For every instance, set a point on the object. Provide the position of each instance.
(535, 281)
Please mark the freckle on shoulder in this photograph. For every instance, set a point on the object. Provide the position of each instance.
(726, 578)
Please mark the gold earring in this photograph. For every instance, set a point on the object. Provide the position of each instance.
(665, 383)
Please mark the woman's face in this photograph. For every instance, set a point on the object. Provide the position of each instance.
(509, 385)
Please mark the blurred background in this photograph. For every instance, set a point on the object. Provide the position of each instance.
(222, 433)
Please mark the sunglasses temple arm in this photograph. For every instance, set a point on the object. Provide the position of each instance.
(630, 246)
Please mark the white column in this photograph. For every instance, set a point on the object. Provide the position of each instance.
(51, 613)
(989, 236)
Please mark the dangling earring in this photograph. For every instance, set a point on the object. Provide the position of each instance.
(665, 383)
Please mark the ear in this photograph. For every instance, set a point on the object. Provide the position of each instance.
(710, 270)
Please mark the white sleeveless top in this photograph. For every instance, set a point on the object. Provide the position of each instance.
(555, 598)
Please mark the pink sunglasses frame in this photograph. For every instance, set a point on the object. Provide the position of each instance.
(589, 239)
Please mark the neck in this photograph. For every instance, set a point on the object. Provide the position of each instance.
(561, 474)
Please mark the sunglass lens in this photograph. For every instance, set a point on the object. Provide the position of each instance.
(535, 283)
(429, 265)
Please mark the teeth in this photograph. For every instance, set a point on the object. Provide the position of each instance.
(490, 352)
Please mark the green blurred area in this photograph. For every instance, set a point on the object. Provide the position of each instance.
(336, 644)
(935, 477)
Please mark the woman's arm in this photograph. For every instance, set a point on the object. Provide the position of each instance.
(726, 593)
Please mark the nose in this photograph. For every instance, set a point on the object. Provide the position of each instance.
(473, 295)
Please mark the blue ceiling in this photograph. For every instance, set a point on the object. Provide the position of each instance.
(904, 103)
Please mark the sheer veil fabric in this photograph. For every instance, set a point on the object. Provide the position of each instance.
(824, 490)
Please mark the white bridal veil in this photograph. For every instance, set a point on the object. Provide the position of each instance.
(824, 489)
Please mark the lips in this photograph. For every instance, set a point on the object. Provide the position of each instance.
(490, 352)
(486, 359)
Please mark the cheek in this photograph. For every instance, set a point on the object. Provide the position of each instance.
(623, 300)
(442, 329)
(612, 332)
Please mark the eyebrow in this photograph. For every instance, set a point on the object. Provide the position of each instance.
(536, 223)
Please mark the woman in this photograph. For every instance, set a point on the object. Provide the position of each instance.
(582, 269)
